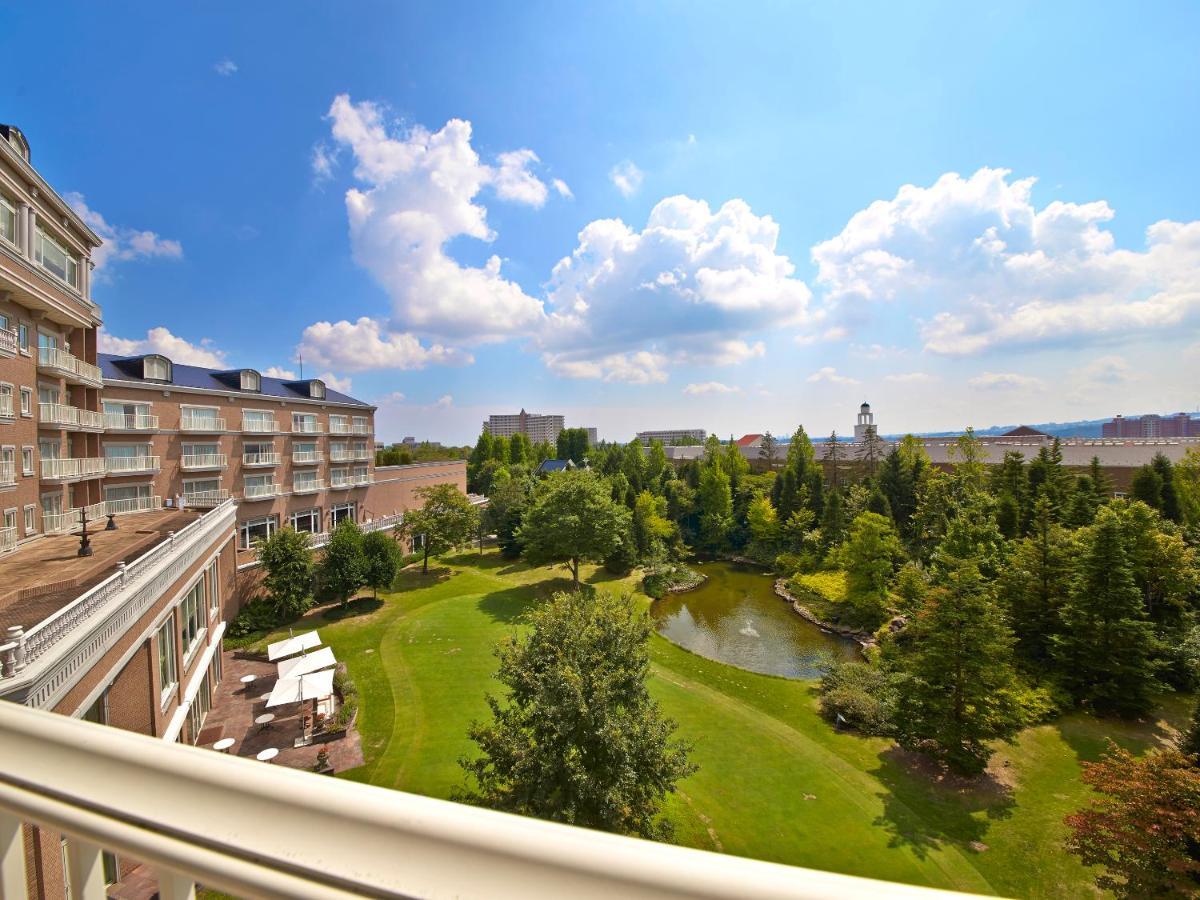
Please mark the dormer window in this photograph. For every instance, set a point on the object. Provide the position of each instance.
(156, 368)
(251, 380)
(316, 390)
(17, 141)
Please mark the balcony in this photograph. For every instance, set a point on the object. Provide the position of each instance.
(198, 462)
(69, 418)
(260, 426)
(302, 835)
(58, 523)
(131, 465)
(201, 424)
(8, 342)
(205, 499)
(132, 505)
(260, 491)
(348, 428)
(361, 456)
(311, 486)
(119, 422)
(8, 473)
(72, 469)
(339, 455)
(8, 539)
(62, 364)
(341, 482)
(307, 428)
(255, 460)
(307, 457)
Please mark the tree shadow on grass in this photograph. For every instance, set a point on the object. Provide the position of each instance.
(925, 806)
(507, 606)
(603, 576)
(1088, 735)
(472, 559)
(412, 579)
(360, 606)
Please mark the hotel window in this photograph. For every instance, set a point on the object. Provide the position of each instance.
(26, 460)
(250, 381)
(342, 511)
(48, 449)
(201, 455)
(4, 323)
(201, 490)
(157, 368)
(98, 711)
(52, 505)
(191, 619)
(304, 481)
(23, 337)
(128, 494)
(55, 258)
(360, 474)
(316, 390)
(10, 519)
(48, 393)
(131, 413)
(126, 451)
(8, 456)
(252, 531)
(30, 520)
(259, 485)
(360, 450)
(308, 520)
(339, 424)
(214, 588)
(6, 397)
(8, 220)
(165, 640)
(258, 453)
(258, 420)
(304, 423)
(200, 417)
(360, 425)
(26, 401)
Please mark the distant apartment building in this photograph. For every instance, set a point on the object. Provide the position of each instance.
(539, 428)
(1180, 425)
(672, 437)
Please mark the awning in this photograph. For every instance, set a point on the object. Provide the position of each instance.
(293, 645)
(313, 686)
(309, 662)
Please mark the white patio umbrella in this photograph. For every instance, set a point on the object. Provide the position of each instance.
(293, 644)
(306, 662)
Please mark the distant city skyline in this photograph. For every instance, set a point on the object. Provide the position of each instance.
(444, 215)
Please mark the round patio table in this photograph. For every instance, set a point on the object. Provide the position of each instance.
(223, 745)
(265, 697)
(267, 755)
(264, 721)
(247, 680)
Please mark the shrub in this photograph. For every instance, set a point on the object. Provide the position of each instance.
(255, 619)
(662, 581)
(863, 695)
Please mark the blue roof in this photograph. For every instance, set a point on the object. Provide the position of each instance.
(554, 465)
(128, 368)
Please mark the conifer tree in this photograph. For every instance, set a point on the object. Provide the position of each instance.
(871, 553)
(1105, 650)
(1170, 499)
(1033, 586)
(1148, 487)
(766, 449)
(833, 522)
(833, 455)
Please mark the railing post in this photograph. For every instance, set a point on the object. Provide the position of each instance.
(172, 886)
(121, 571)
(12, 856)
(14, 659)
(85, 870)
(171, 537)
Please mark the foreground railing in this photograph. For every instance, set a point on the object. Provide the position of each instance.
(8, 342)
(256, 830)
(39, 665)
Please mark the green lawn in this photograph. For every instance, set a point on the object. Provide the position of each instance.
(775, 782)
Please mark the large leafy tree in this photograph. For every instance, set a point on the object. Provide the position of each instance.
(342, 569)
(578, 737)
(572, 518)
(381, 560)
(714, 502)
(1144, 829)
(871, 554)
(506, 506)
(1148, 487)
(573, 445)
(1105, 652)
(445, 519)
(959, 691)
(288, 571)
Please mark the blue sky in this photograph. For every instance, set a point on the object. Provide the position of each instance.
(966, 216)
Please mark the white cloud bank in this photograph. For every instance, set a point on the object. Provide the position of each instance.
(983, 268)
(160, 340)
(711, 387)
(829, 375)
(121, 243)
(362, 345)
(626, 178)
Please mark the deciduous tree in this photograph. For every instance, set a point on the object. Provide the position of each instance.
(342, 569)
(446, 519)
(572, 518)
(288, 570)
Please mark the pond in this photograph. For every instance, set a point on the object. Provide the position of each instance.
(737, 618)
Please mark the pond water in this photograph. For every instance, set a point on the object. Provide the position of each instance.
(737, 618)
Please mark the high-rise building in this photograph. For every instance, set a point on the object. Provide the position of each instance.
(674, 436)
(1152, 426)
(539, 428)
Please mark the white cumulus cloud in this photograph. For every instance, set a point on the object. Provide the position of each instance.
(279, 372)
(641, 367)
(626, 178)
(121, 243)
(562, 188)
(981, 266)
(225, 67)
(829, 375)
(344, 385)
(160, 340)
(711, 387)
(362, 345)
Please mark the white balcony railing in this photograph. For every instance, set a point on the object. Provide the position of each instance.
(260, 459)
(194, 461)
(121, 422)
(60, 362)
(310, 486)
(8, 342)
(339, 427)
(205, 499)
(58, 523)
(362, 456)
(348, 481)
(201, 424)
(306, 427)
(8, 539)
(247, 829)
(59, 469)
(8, 472)
(64, 416)
(260, 491)
(260, 426)
(132, 505)
(6, 406)
(39, 665)
(307, 457)
(129, 465)
(337, 455)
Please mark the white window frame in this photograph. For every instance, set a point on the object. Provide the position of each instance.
(271, 521)
(313, 516)
(188, 410)
(12, 211)
(29, 513)
(156, 360)
(27, 466)
(254, 378)
(71, 262)
(10, 518)
(350, 508)
(168, 662)
(23, 337)
(214, 588)
(193, 617)
(27, 402)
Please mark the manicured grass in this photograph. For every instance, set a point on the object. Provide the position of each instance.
(775, 781)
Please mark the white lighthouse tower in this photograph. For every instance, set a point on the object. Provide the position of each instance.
(866, 420)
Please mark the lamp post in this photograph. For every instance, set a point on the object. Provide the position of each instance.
(85, 545)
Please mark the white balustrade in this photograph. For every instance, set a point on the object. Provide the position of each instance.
(204, 461)
(126, 465)
(260, 459)
(121, 422)
(260, 491)
(57, 469)
(8, 342)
